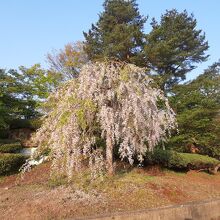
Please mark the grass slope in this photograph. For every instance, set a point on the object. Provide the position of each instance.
(37, 196)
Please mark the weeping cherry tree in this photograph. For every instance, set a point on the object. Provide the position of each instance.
(114, 101)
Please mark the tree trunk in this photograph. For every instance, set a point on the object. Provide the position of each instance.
(109, 156)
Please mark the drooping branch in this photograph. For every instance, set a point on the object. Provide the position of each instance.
(113, 101)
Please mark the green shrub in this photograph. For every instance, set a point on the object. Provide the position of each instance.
(19, 123)
(10, 148)
(212, 151)
(192, 161)
(180, 144)
(25, 123)
(183, 161)
(4, 133)
(7, 141)
(10, 163)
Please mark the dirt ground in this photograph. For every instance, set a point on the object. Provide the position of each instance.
(36, 196)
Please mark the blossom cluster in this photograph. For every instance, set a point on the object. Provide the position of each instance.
(113, 101)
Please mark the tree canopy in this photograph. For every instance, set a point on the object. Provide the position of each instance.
(113, 101)
(197, 105)
(22, 91)
(68, 61)
(118, 34)
(171, 49)
(174, 46)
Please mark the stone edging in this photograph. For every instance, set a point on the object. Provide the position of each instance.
(202, 210)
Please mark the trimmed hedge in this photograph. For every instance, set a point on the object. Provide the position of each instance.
(7, 141)
(10, 163)
(10, 148)
(182, 161)
(4, 133)
(26, 123)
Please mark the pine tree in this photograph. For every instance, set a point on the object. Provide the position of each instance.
(118, 34)
(174, 46)
(197, 104)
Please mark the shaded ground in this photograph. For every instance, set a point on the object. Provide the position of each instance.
(39, 197)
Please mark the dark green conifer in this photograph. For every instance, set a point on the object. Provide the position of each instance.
(118, 34)
(174, 46)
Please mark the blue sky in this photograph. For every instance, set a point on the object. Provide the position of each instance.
(32, 28)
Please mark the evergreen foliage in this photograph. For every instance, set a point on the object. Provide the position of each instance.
(10, 148)
(118, 34)
(10, 163)
(171, 49)
(197, 105)
(174, 46)
(181, 161)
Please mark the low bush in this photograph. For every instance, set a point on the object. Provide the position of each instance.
(10, 148)
(177, 143)
(182, 161)
(26, 123)
(7, 141)
(10, 163)
(192, 161)
(212, 151)
(4, 133)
